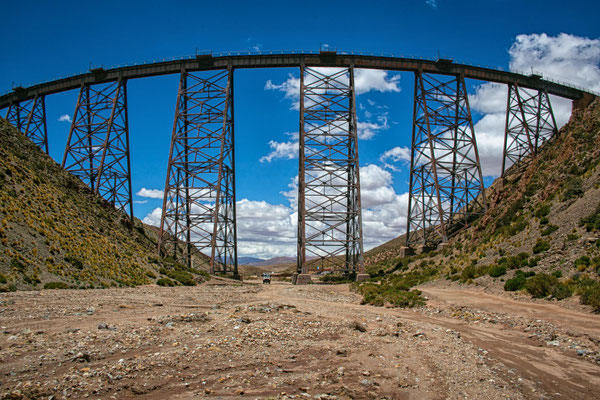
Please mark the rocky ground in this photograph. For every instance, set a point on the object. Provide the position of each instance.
(281, 341)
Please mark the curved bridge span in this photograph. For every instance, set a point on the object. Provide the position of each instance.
(322, 59)
(199, 204)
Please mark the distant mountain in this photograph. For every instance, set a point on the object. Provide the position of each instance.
(249, 260)
(273, 261)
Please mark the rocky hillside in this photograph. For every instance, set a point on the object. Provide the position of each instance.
(542, 220)
(55, 232)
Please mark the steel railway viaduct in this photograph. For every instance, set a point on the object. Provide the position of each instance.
(198, 213)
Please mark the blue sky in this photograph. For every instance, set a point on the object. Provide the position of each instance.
(43, 40)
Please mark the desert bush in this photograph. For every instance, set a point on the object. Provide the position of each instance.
(592, 221)
(582, 263)
(542, 211)
(557, 274)
(549, 230)
(573, 189)
(165, 282)
(55, 285)
(591, 296)
(543, 285)
(540, 246)
(497, 270)
(515, 283)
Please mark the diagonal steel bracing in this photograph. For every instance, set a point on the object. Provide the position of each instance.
(199, 201)
(29, 117)
(329, 210)
(446, 184)
(529, 124)
(98, 145)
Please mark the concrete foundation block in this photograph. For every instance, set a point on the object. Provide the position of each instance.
(303, 279)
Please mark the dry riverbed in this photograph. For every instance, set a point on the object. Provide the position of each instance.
(282, 341)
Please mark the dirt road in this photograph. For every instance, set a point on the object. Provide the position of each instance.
(283, 341)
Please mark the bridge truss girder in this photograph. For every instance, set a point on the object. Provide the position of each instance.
(329, 207)
(98, 145)
(29, 117)
(199, 200)
(529, 124)
(446, 184)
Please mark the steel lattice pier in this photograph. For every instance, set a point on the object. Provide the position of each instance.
(329, 210)
(529, 124)
(98, 145)
(29, 117)
(446, 183)
(199, 200)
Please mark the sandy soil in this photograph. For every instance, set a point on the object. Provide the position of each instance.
(226, 340)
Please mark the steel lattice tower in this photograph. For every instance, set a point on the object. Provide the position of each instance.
(529, 124)
(98, 145)
(199, 201)
(30, 118)
(446, 183)
(329, 209)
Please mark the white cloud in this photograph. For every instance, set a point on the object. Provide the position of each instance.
(150, 193)
(367, 130)
(140, 201)
(369, 80)
(153, 218)
(64, 118)
(431, 3)
(267, 230)
(395, 155)
(287, 150)
(365, 80)
(564, 57)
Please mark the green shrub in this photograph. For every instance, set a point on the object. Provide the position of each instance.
(74, 261)
(540, 246)
(583, 262)
(150, 274)
(9, 288)
(55, 285)
(165, 282)
(573, 189)
(592, 221)
(549, 230)
(407, 299)
(572, 236)
(542, 211)
(557, 274)
(497, 270)
(591, 296)
(395, 288)
(543, 285)
(3, 278)
(544, 221)
(516, 283)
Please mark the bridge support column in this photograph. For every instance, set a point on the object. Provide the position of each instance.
(529, 124)
(29, 117)
(198, 212)
(446, 183)
(98, 145)
(329, 210)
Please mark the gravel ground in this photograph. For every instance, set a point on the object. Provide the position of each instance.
(283, 341)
